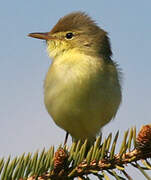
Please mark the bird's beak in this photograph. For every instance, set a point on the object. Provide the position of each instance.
(45, 36)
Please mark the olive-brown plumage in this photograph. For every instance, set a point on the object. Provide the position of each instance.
(82, 86)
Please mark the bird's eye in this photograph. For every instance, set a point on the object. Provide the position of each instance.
(69, 35)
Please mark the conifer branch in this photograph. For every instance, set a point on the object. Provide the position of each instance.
(69, 163)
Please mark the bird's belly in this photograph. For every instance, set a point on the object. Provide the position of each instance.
(82, 106)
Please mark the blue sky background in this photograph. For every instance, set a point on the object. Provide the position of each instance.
(25, 124)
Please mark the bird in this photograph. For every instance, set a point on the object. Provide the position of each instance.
(82, 88)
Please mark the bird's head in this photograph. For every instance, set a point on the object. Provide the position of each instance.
(76, 31)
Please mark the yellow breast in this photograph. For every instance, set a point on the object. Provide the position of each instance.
(82, 93)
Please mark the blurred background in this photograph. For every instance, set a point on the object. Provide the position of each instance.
(25, 125)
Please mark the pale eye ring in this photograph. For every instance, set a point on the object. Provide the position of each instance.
(69, 35)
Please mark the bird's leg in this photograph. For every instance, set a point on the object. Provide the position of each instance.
(66, 138)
